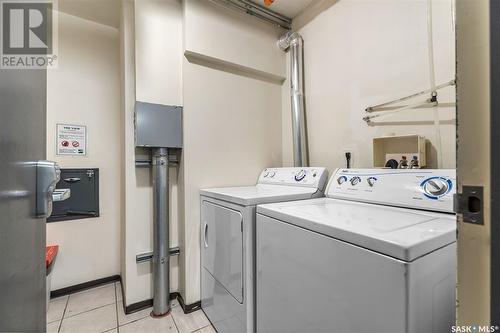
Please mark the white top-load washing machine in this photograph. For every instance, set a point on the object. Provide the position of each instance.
(376, 255)
(227, 241)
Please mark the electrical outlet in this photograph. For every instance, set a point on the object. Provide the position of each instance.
(351, 160)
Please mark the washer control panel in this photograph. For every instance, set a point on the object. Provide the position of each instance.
(430, 189)
(306, 177)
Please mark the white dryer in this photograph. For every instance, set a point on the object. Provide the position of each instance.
(377, 255)
(227, 241)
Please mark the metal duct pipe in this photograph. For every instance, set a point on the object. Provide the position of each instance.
(161, 255)
(293, 42)
(258, 11)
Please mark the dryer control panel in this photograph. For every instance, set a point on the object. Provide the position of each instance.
(429, 189)
(305, 177)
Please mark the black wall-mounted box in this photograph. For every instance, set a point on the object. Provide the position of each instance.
(84, 200)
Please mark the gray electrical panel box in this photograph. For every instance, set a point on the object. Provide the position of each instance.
(158, 125)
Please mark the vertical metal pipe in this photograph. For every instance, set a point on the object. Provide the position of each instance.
(294, 43)
(300, 156)
(161, 268)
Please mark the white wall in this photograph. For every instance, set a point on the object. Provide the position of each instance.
(152, 46)
(158, 51)
(220, 33)
(85, 90)
(360, 53)
(232, 122)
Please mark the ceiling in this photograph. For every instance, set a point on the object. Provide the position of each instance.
(106, 12)
(288, 8)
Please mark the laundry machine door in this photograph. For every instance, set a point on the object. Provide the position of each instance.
(222, 246)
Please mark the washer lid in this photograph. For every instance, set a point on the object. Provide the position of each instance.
(405, 234)
(260, 193)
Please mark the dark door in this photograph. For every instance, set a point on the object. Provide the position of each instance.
(22, 234)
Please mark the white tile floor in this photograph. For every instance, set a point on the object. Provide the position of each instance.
(101, 310)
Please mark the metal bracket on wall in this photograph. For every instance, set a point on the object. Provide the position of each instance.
(143, 164)
(469, 204)
(172, 162)
(148, 256)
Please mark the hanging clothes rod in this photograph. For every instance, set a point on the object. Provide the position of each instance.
(422, 104)
(385, 106)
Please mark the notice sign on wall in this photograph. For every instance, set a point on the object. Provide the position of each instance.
(71, 140)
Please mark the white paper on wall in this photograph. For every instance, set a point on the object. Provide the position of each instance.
(71, 140)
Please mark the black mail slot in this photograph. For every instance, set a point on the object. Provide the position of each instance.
(84, 200)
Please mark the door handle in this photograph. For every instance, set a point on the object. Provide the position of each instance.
(48, 174)
(205, 235)
(72, 179)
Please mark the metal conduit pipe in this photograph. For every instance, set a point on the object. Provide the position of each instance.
(293, 42)
(256, 10)
(161, 248)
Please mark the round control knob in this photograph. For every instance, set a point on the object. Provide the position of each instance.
(266, 174)
(355, 181)
(341, 180)
(436, 187)
(371, 181)
(272, 174)
(300, 175)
